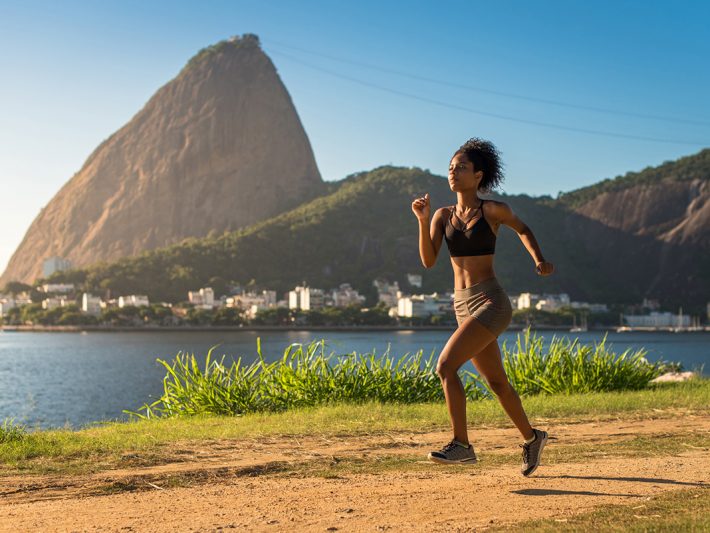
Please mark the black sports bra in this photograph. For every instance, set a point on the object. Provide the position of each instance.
(479, 239)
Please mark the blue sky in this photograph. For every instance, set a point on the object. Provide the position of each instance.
(373, 82)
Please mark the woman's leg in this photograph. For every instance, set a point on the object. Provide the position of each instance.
(490, 366)
(469, 339)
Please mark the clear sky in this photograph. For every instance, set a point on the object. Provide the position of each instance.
(570, 92)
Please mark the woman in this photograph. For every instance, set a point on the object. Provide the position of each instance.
(482, 307)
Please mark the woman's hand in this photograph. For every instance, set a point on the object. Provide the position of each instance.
(544, 268)
(421, 207)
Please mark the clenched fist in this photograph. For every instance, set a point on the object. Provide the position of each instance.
(421, 207)
(544, 268)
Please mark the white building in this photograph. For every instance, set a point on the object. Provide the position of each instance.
(91, 304)
(594, 308)
(5, 305)
(387, 292)
(203, 298)
(423, 305)
(55, 264)
(513, 301)
(305, 298)
(108, 304)
(345, 295)
(527, 300)
(22, 299)
(136, 300)
(252, 302)
(415, 280)
(658, 320)
(58, 287)
(553, 302)
(53, 303)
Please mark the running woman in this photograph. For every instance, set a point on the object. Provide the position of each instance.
(482, 307)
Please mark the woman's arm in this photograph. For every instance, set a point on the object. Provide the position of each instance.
(430, 235)
(503, 214)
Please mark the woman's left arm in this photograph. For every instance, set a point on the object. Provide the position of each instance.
(503, 214)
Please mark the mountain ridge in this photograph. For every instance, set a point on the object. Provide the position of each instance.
(204, 154)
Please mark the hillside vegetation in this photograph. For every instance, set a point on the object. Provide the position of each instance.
(363, 228)
(688, 168)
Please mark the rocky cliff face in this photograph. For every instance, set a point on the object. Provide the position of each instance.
(676, 212)
(218, 148)
(651, 230)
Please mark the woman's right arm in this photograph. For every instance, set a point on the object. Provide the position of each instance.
(430, 235)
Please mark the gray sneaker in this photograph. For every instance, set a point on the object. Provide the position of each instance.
(532, 452)
(454, 452)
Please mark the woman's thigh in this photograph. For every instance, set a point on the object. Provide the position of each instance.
(489, 364)
(469, 339)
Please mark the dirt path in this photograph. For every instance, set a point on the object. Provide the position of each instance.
(262, 485)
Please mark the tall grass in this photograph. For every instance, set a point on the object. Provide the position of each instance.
(567, 366)
(306, 376)
(10, 431)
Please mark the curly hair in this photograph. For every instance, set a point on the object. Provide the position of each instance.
(484, 156)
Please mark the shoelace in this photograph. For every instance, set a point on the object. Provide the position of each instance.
(526, 452)
(448, 447)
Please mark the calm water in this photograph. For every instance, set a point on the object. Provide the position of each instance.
(73, 379)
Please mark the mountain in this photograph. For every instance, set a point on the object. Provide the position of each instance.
(364, 228)
(218, 148)
(652, 229)
(669, 202)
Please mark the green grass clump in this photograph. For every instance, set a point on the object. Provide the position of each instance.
(305, 376)
(570, 367)
(11, 432)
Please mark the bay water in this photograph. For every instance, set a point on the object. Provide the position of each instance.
(76, 379)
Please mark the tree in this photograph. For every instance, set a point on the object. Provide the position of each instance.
(277, 316)
(227, 316)
(16, 287)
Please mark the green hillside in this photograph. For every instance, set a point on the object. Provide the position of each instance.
(696, 166)
(364, 229)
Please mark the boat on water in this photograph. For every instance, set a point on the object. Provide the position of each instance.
(575, 328)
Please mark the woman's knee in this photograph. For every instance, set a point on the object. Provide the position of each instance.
(445, 369)
(500, 387)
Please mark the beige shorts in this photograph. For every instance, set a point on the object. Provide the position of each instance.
(487, 301)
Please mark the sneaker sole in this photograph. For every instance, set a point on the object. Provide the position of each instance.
(542, 447)
(471, 461)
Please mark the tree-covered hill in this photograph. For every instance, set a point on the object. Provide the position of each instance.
(364, 229)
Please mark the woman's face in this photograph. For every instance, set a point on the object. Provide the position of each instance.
(461, 174)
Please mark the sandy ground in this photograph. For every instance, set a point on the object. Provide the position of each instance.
(246, 484)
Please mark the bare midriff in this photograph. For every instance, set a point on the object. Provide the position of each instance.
(472, 269)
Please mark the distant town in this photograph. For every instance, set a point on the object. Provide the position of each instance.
(62, 304)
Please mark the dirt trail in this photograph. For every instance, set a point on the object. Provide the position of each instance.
(231, 485)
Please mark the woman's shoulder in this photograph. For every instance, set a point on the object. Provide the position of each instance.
(493, 204)
(444, 211)
(495, 209)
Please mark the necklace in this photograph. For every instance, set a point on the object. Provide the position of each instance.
(471, 218)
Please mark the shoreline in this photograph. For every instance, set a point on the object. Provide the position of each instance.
(173, 329)
(152, 329)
